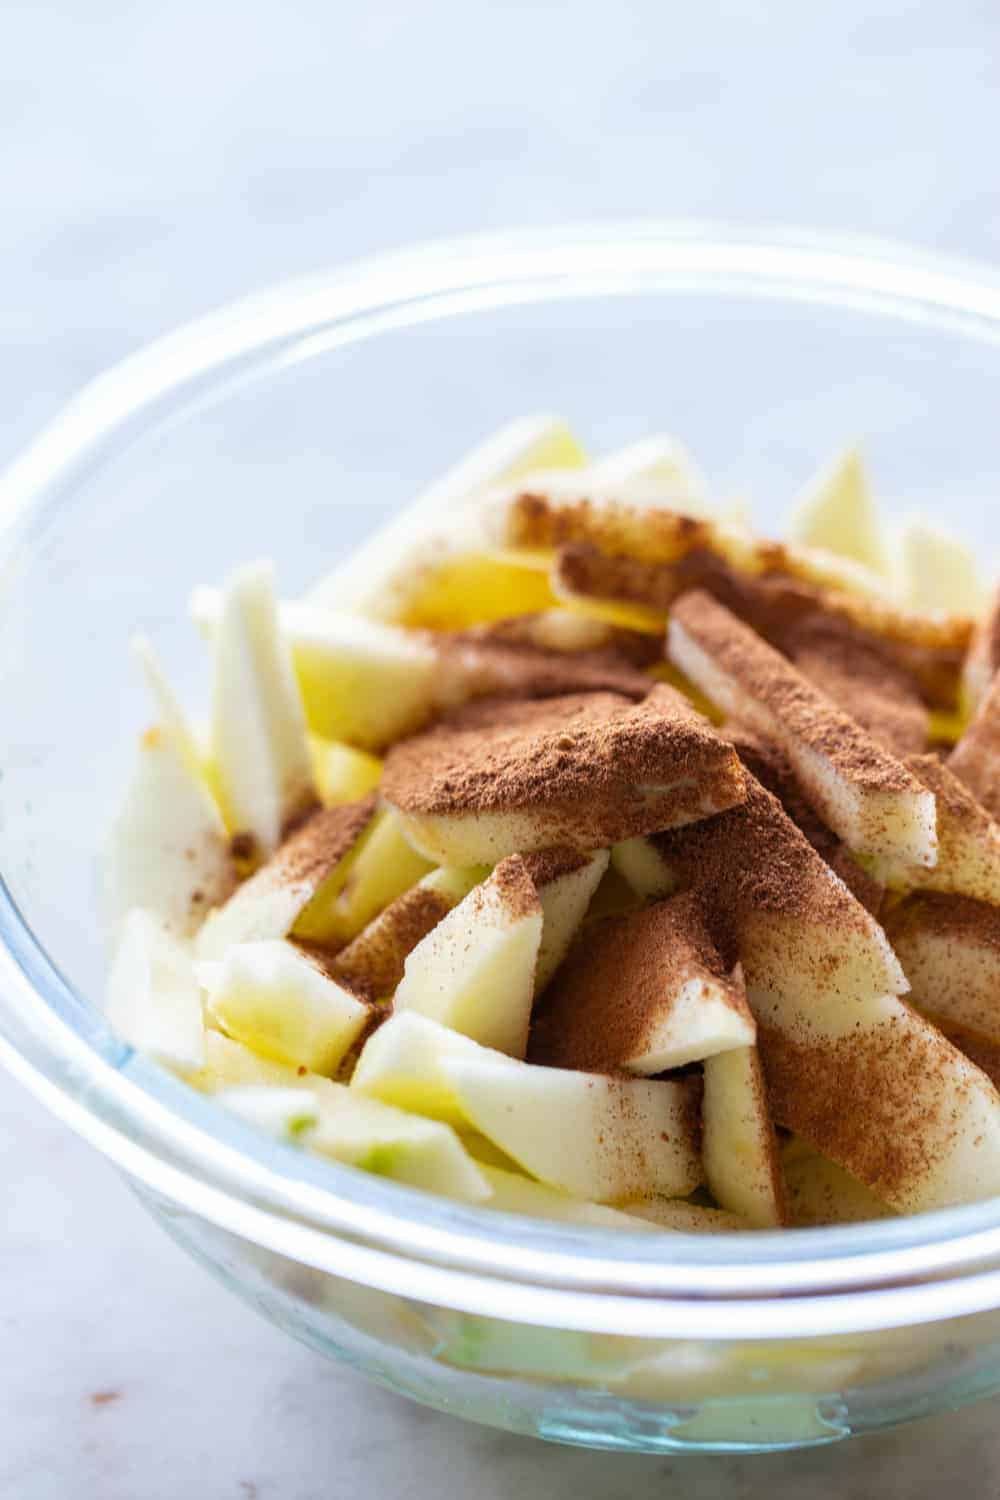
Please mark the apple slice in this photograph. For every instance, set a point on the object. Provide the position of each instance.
(313, 861)
(593, 1137)
(229, 1064)
(343, 774)
(278, 1001)
(859, 790)
(862, 678)
(820, 1192)
(642, 993)
(373, 962)
(975, 760)
(173, 720)
(937, 571)
(381, 577)
(168, 851)
(983, 657)
(259, 745)
(662, 460)
(425, 1154)
(498, 777)
(979, 1048)
(949, 947)
(565, 881)
(475, 971)
(286, 1114)
(683, 1217)
(739, 1147)
(400, 1064)
(968, 840)
(153, 999)
(514, 1194)
(837, 513)
(383, 866)
(639, 863)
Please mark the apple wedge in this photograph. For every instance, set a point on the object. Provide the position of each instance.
(275, 999)
(228, 1064)
(172, 718)
(286, 1114)
(514, 1194)
(373, 962)
(739, 1147)
(475, 970)
(683, 1217)
(659, 459)
(343, 774)
(603, 1139)
(313, 860)
(168, 851)
(384, 865)
(639, 863)
(936, 570)
(820, 1192)
(975, 760)
(259, 746)
(565, 882)
(949, 947)
(859, 790)
(968, 840)
(153, 999)
(381, 577)
(499, 777)
(861, 678)
(836, 512)
(400, 1064)
(641, 993)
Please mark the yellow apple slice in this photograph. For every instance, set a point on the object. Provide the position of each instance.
(603, 1139)
(379, 578)
(641, 993)
(259, 745)
(514, 1194)
(173, 720)
(949, 947)
(683, 1217)
(383, 866)
(229, 1064)
(373, 962)
(425, 1154)
(400, 1064)
(975, 760)
(585, 770)
(739, 1147)
(820, 1192)
(312, 862)
(968, 840)
(168, 850)
(343, 774)
(565, 881)
(475, 971)
(639, 863)
(286, 1114)
(862, 792)
(660, 459)
(836, 512)
(272, 997)
(153, 999)
(937, 571)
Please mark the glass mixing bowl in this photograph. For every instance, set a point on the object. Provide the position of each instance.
(289, 426)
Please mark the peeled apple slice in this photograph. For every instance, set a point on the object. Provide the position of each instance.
(565, 882)
(173, 720)
(343, 774)
(153, 997)
(682, 1217)
(820, 1192)
(513, 1194)
(287, 1114)
(383, 866)
(276, 1000)
(659, 458)
(937, 570)
(259, 744)
(739, 1147)
(401, 1064)
(837, 513)
(475, 971)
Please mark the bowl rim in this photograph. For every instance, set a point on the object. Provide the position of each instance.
(794, 1284)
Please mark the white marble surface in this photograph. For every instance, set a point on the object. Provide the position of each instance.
(158, 160)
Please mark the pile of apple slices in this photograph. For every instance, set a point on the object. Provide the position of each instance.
(744, 976)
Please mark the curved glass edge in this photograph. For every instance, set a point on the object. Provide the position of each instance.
(234, 1170)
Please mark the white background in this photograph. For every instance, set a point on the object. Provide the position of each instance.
(157, 160)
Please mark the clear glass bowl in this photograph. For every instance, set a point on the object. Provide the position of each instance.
(290, 425)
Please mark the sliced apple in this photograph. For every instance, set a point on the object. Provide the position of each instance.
(286, 1114)
(259, 745)
(278, 1001)
(642, 993)
(598, 1138)
(228, 1064)
(380, 578)
(383, 866)
(968, 840)
(820, 1192)
(373, 962)
(683, 1217)
(837, 513)
(937, 571)
(862, 678)
(173, 720)
(859, 790)
(639, 863)
(400, 1064)
(168, 851)
(498, 777)
(739, 1147)
(565, 882)
(312, 862)
(153, 998)
(980, 1049)
(425, 1154)
(343, 774)
(975, 760)
(662, 460)
(514, 1194)
(949, 947)
(475, 971)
